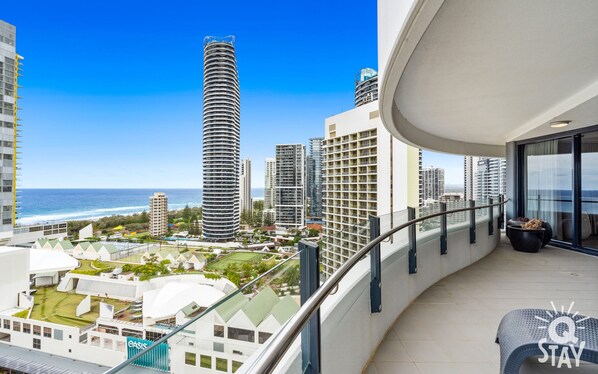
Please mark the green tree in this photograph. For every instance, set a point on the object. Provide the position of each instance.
(246, 218)
(143, 218)
(186, 213)
(291, 276)
(258, 205)
(268, 221)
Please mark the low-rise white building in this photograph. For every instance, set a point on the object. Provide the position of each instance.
(228, 335)
(195, 260)
(96, 251)
(54, 244)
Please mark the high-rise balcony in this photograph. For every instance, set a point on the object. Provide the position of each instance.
(411, 263)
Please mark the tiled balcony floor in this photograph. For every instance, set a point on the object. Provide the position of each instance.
(451, 327)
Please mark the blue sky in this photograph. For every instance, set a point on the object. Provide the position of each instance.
(112, 91)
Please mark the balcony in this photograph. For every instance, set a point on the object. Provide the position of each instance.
(440, 304)
(451, 327)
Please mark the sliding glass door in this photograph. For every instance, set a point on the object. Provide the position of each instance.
(559, 184)
(548, 185)
(589, 190)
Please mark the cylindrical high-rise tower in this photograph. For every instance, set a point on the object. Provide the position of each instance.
(221, 139)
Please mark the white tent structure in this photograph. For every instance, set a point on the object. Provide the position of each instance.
(45, 266)
(163, 303)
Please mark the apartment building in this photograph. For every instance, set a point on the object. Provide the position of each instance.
(433, 183)
(221, 139)
(10, 63)
(365, 170)
(290, 185)
(245, 186)
(158, 214)
(314, 177)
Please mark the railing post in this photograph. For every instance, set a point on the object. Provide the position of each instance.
(501, 211)
(375, 268)
(310, 281)
(491, 217)
(472, 221)
(443, 230)
(412, 242)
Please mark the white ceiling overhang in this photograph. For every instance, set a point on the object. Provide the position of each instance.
(468, 76)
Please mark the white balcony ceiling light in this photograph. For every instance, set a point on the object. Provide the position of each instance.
(559, 124)
(466, 77)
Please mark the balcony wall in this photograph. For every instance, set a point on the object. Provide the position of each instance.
(350, 333)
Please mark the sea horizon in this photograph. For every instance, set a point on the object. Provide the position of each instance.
(43, 205)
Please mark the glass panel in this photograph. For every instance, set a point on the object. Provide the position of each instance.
(266, 299)
(589, 190)
(549, 185)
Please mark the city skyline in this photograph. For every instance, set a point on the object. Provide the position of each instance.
(80, 97)
(99, 100)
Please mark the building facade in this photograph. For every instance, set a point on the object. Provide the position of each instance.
(245, 186)
(221, 140)
(9, 75)
(433, 183)
(270, 183)
(290, 185)
(420, 177)
(158, 214)
(314, 177)
(484, 177)
(366, 87)
(470, 166)
(491, 177)
(366, 173)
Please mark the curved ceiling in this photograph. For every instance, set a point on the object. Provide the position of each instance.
(481, 73)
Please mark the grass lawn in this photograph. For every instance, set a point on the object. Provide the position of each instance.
(236, 258)
(290, 263)
(60, 307)
(135, 258)
(85, 265)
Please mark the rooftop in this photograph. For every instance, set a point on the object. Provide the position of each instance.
(451, 327)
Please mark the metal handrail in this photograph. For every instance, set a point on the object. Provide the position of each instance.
(268, 361)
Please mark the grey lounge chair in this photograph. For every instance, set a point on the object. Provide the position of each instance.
(520, 331)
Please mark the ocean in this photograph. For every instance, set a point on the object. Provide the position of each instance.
(50, 205)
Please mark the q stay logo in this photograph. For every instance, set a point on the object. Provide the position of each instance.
(561, 327)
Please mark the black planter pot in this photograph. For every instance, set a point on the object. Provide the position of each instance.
(513, 223)
(526, 240)
(545, 225)
(547, 233)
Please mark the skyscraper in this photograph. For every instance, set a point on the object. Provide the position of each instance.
(314, 179)
(246, 202)
(9, 74)
(433, 183)
(484, 177)
(366, 86)
(290, 185)
(270, 184)
(470, 165)
(221, 139)
(158, 214)
(420, 171)
(491, 177)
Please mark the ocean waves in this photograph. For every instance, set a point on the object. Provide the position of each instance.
(53, 205)
(93, 214)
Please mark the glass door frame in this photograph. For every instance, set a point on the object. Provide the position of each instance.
(520, 173)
